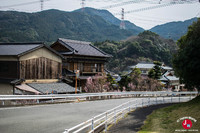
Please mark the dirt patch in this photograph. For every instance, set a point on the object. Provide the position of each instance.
(133, 122)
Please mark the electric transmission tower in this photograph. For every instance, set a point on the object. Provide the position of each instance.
(122, 24)
(82, 5)
(42, 2)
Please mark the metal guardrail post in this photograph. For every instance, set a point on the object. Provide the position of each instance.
(142, 102)
(52, 100)
(190, 96)
(136, 104)
(171, 98)
(92, 125)
(179, 98)
(89, 98)
(66, 131)
(3, 103)
(106, 122)
(156, 100)
(38, 101)
(129, 109)
(115, 117)
(99, 97)
(148, 101)
(163, 99)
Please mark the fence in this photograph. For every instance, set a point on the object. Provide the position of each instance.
(108, 95)
(100, 122)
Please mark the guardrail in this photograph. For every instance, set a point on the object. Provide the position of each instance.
(100, 122)
(90, 95)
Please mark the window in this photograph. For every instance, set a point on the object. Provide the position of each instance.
(99, 67)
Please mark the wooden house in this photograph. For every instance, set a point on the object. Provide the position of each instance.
(32, 62)
(170, 81)
(82, 56)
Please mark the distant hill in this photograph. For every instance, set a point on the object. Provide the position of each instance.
(173, 30)
(51, 24)
(106, 15)
(147, 46)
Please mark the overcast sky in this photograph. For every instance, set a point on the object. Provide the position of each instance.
(146, 19)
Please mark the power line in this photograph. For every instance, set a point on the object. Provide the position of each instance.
(23, 4)
(154, 18)
(122, 4)
(151, 7)
(198, 14)
(139, 1)
(150, 20)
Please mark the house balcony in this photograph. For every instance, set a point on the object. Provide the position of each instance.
(91, 70)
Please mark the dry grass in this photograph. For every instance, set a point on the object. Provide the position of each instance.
(164, 120)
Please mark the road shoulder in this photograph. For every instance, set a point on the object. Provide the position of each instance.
(133, 122)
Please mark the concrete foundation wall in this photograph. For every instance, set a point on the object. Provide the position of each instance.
(6, 89)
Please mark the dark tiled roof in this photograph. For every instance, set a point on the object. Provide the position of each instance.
(82, 48)
(16, 49)
(49, 87)
(17, 81)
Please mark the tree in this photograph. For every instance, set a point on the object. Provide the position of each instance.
(155, 72)
(186, 61)
(125, 80)
(136, 72)
(112, 83)
(151, 74)
(136, 77)
(97, 83)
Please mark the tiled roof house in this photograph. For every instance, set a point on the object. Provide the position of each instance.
(82, 56)
(32, 62)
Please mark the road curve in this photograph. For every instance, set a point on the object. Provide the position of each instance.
(52, 118)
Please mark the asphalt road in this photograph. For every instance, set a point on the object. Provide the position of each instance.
(52, 118)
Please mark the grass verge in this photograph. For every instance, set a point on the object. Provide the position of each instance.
(164, 120)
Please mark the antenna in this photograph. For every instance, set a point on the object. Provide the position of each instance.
(82, 5)
(42, 2)
(122, 24)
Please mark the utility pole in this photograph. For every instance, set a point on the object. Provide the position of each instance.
(122, 24)
(76, 78)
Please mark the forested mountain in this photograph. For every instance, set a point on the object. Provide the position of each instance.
(106, 15)
(173, 30)
(90, 25)
(52, 24)
(147, 46)
(95, 26)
